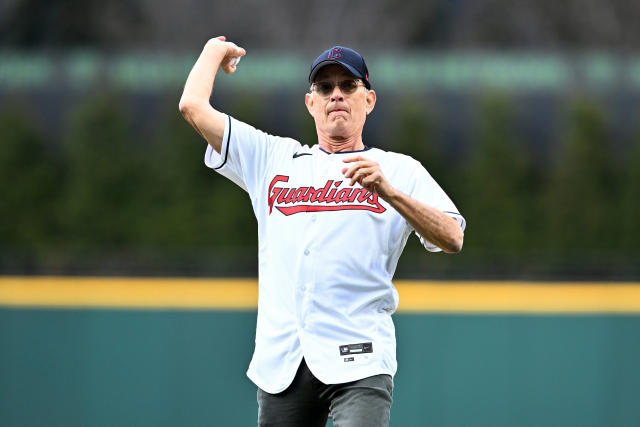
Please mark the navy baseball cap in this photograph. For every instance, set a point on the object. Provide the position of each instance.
(348, 58)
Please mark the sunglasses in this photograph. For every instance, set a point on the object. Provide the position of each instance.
(347, 87)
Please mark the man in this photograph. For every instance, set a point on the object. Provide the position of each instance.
(333, 219)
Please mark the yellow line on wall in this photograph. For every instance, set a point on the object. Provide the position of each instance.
(519, 297)
(129, 292)
(242, 294)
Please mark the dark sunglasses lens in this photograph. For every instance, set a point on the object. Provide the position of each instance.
(348, 86)
(324, 88)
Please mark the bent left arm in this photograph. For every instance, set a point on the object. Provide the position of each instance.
(431, 223)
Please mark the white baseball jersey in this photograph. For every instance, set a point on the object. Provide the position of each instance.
(327, 254)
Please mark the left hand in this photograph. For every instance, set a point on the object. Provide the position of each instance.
(368, 174)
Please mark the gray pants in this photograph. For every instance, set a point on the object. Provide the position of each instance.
(307, 402)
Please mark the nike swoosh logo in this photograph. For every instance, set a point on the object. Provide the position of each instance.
(296, 155)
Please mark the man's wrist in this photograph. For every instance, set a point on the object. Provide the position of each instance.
(213, 42)
(391, 196)
(217, 48)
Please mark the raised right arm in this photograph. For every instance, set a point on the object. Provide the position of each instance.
(194, 103)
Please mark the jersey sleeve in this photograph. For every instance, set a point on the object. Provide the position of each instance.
(425, 189)
(246, 154)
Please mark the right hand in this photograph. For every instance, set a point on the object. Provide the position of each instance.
(232, 51)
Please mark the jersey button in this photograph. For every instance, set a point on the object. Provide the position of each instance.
(306, 251)
(313, 218)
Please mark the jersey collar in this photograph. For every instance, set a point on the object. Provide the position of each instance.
(345, 152)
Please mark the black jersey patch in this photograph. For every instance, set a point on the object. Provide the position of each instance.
(365, 347)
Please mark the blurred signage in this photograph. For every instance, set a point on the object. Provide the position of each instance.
(467, 71)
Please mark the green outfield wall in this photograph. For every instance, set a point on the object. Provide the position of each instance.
(78, 366)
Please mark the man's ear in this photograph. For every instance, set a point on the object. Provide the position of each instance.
(370, 100)
(308, 101)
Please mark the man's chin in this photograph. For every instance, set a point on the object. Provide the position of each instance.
(339, 122)
(338, 129)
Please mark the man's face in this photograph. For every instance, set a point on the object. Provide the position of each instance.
(339, 115)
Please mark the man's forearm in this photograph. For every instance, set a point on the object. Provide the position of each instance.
(194, 104)
(200, 81)
(431, 223)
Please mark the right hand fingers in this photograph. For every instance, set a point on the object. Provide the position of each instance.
(234, 51)
(232, 57)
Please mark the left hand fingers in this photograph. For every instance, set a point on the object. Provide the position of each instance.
(354, 159)
(362, 173)
(357, 164)
(348, 172)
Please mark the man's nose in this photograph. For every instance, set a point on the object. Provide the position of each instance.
(337, 94)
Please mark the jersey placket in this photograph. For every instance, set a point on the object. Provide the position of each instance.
(307, 278)
(324, 167)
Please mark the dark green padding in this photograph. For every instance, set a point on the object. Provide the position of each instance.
(146, 368)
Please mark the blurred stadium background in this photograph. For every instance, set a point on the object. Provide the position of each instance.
(525, 112)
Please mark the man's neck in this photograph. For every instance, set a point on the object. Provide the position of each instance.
(338, 144)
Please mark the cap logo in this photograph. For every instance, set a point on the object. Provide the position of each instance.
(334, 53)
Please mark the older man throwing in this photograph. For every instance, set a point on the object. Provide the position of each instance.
(333, 218)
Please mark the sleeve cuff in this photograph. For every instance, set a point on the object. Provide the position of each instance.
(433, 248)
(212, 158)
(461, 221)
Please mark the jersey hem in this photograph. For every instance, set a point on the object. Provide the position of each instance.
(321, 378)
(273, 390)
(349, 378)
